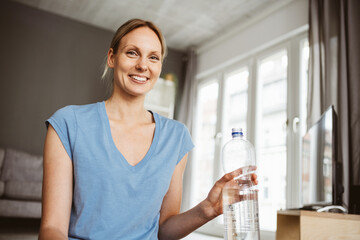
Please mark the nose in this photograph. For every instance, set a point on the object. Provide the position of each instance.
(141, 65)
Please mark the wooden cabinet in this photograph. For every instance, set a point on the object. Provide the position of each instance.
(309, 225)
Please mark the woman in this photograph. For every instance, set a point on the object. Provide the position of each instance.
(113, 170)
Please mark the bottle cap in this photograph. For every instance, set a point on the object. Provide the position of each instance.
(237, 132)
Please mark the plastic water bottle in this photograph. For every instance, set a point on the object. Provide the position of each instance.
(240, 200)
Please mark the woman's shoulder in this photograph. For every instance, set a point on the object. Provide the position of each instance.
(170, 123)
(78, 109)
(73, 112)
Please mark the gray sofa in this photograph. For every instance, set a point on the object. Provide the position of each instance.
(20, 184)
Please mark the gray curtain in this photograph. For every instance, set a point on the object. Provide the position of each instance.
(334, 79)
(184, 114)
(187, 92)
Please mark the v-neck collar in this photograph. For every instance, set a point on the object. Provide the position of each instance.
(115, 150)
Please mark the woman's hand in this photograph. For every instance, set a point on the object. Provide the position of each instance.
(177, 226)
(212, 205)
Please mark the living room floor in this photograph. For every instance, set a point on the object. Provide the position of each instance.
(27, 229)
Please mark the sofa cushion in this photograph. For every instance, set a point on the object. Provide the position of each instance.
(2, 188)
(23, 190)
(18, 208)
(21, 166)
(2, 155)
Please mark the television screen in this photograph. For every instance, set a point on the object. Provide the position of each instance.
(318, 161)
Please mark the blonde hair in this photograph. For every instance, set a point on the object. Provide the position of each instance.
(108, 75)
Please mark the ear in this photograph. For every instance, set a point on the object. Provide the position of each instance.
(110, 58)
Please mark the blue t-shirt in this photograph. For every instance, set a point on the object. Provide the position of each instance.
(113, 199)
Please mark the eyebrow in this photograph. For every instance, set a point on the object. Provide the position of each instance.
(131, 45)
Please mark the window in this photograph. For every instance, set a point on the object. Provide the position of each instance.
(271, 135)
(235, 101)
(304, 75)
(265, 94)
(205, 142)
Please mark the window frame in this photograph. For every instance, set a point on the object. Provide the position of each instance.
(292, 44)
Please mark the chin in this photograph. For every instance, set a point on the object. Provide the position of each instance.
(138, 93)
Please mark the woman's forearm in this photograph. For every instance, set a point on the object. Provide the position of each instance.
(178, 226)
(51, 233)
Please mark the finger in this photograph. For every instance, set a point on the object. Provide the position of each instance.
(219, 184)
(227, 177)
(231, 175)
(240, 171)
(237, 172)
(245, 181)
(251, 167)
(253, 176)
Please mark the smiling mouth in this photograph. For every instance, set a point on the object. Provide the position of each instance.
(138, 78)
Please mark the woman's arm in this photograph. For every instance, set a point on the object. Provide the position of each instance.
(56, 190)
(174, 225)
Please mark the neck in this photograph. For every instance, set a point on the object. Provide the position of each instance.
(127, 109)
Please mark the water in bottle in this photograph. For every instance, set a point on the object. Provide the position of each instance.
(240, 200)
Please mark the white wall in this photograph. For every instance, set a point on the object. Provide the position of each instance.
(222, 52)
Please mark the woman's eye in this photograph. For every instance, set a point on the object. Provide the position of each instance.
(132, 53)
(155, 58)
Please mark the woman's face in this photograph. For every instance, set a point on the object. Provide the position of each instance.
(137, 63)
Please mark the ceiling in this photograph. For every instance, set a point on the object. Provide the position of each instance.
(184, 23)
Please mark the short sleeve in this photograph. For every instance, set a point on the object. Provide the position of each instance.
(64, 123)
(186, 144)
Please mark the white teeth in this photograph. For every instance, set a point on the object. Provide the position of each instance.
(142, 79)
